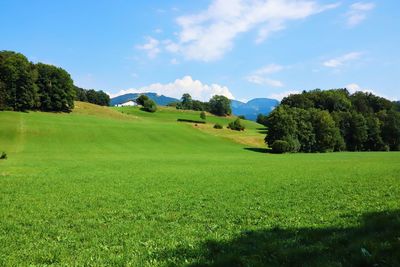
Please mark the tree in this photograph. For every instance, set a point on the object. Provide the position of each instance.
(357, 132)
(149, 106)
(186, 101)
(261, 119)
(281, 125)
(391, 129)
(203, 115)
(56, 88)
(80, 94)
(220, 105)
(374, 140)
(18, 90)
(142, 99)
(327, 135)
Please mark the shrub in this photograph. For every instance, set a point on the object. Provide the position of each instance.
(3, 155)
(236, 125)
(203, 115)
(280, 147)
(149, 106)
(218, 126)
(242, 117)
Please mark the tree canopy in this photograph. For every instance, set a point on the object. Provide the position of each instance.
(334, 120)
(92, 96)
(28, 86)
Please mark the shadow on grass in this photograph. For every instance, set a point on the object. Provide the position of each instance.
(374, 242)
(258, 149)
(262, 130)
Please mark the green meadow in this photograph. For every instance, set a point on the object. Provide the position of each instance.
(122, 187)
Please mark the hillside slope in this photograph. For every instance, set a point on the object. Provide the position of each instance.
(100, 188)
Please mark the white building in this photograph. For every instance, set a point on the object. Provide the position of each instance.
(127, 104)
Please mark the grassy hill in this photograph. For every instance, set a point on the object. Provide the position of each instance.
(102, 186)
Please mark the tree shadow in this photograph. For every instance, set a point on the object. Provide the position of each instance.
(258, 149)
(262, 130)
(374, 242)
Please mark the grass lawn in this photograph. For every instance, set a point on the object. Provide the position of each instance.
(100, 187)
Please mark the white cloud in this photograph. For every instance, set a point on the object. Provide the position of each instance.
(195, 88)
(258, 76)
(158, 30)
(209, 34)
(358, 13)
(279, 96)
(151, 47)
(271, 68)
(257, 79)
(353, 87)
(340, 61)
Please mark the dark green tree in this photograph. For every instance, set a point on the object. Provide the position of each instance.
(56, 88)
(18, 90)
(327, 135)
(220, 105)
(141, 99)
(391, 129)
(149, 106)
(186, 101)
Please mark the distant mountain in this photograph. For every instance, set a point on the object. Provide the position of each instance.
(159, 99)
(254, 107)
(250, 109)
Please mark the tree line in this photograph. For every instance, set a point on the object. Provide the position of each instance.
(28, 86)
(333, 120)
(218, 105)
(92, 96)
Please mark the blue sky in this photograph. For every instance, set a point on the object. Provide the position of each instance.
(240, 48)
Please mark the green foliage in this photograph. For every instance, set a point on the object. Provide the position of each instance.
(242, 117)
(149, 106)
(203, 115)
(3, 155)
(56, 88)
(186, 101)
(28, 86)
(334, 120)
(236, 125)
(142, 99)
(92, 96)
(280, 146)
(220, 105)
(391, 129)
(262, 119)
(18, 90)
(218, 126)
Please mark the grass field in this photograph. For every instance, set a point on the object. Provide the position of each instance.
(99, 187)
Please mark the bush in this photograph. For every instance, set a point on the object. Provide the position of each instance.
(280, 147)
(218, 126)
(236, 125)
(149, 106)
(203, 115)
(242, 117)
(3, 155)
